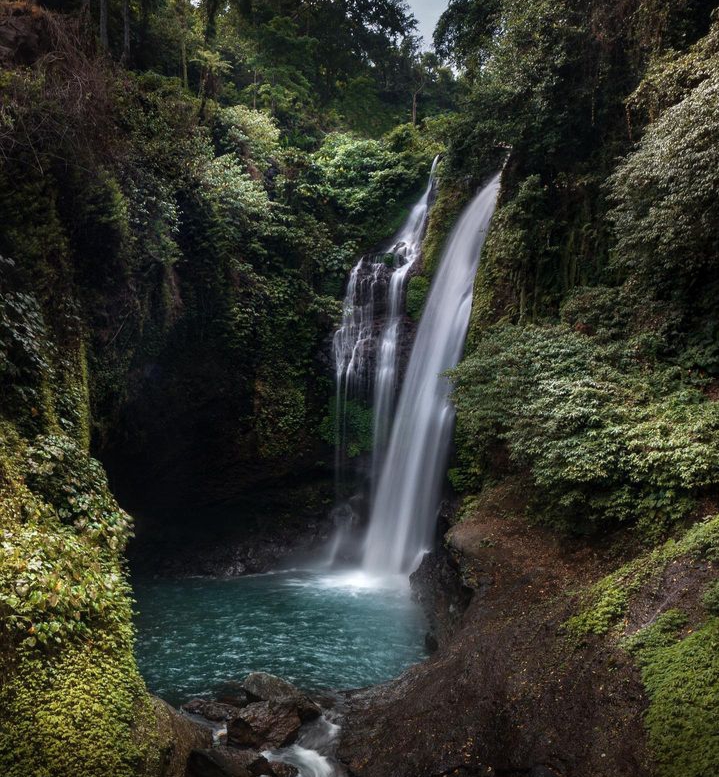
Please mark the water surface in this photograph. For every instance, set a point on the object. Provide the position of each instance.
(320, 631)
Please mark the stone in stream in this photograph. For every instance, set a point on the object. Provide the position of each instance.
(265, 725)
(228, 762)
(234, 694)
(267, 687)
(211, 710)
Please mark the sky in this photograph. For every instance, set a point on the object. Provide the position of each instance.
(427, 13)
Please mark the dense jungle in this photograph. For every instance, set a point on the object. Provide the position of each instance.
(239, 243)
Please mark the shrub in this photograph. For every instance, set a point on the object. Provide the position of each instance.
(604, 440)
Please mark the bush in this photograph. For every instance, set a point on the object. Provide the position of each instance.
(711, 598)
(604, 440)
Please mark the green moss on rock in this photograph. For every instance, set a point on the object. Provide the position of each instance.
(680, 672)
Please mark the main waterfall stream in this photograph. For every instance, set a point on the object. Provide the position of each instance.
(330, 628)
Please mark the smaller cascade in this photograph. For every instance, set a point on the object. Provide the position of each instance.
(313, 753)
(407, 249)
(367, 353)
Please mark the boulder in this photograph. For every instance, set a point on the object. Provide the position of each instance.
(234, 694)
(265, 725)
(267, 687)
(228, 762)
(177, 736)
(211, 710)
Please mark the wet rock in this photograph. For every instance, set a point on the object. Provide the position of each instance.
(228, 762)
(265, 725)
(234, 694)
(178, 736)
(284, 770)
(267, 687)
(211, 710)
(440, 591)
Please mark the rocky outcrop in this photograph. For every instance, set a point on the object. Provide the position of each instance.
(507, 694)
(263, 712)
(25, 34)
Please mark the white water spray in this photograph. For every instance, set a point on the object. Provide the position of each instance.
(404, 510)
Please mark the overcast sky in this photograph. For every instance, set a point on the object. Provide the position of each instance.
(427, 13)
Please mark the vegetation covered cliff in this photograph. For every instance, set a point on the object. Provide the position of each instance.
(178, 214)
(587, 398)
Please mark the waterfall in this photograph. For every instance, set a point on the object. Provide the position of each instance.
(366, 348)
(408, 490)
(408, 247)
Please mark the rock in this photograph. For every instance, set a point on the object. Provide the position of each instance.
(178, 736)
(211, 710)
(234, 694)
(542, 771)
(265, 725)
(228, 762)
(284, 770)
(267, 687)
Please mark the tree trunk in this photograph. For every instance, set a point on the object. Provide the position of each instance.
(183, 55)
(125, 31)
(414, 109)
(103, 24)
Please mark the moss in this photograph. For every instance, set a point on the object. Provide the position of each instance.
(681, 676)
(71, 698)
(445, 211)
(606, 602)
(710, 599)
(76, 714)
(417, 292)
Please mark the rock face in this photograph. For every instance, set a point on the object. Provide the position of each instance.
(507, 694)
(264, 725)
(230, 543)
(438, 587)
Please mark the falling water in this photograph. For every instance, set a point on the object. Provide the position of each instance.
(406, 502)
(366, 348)
(407, 248)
